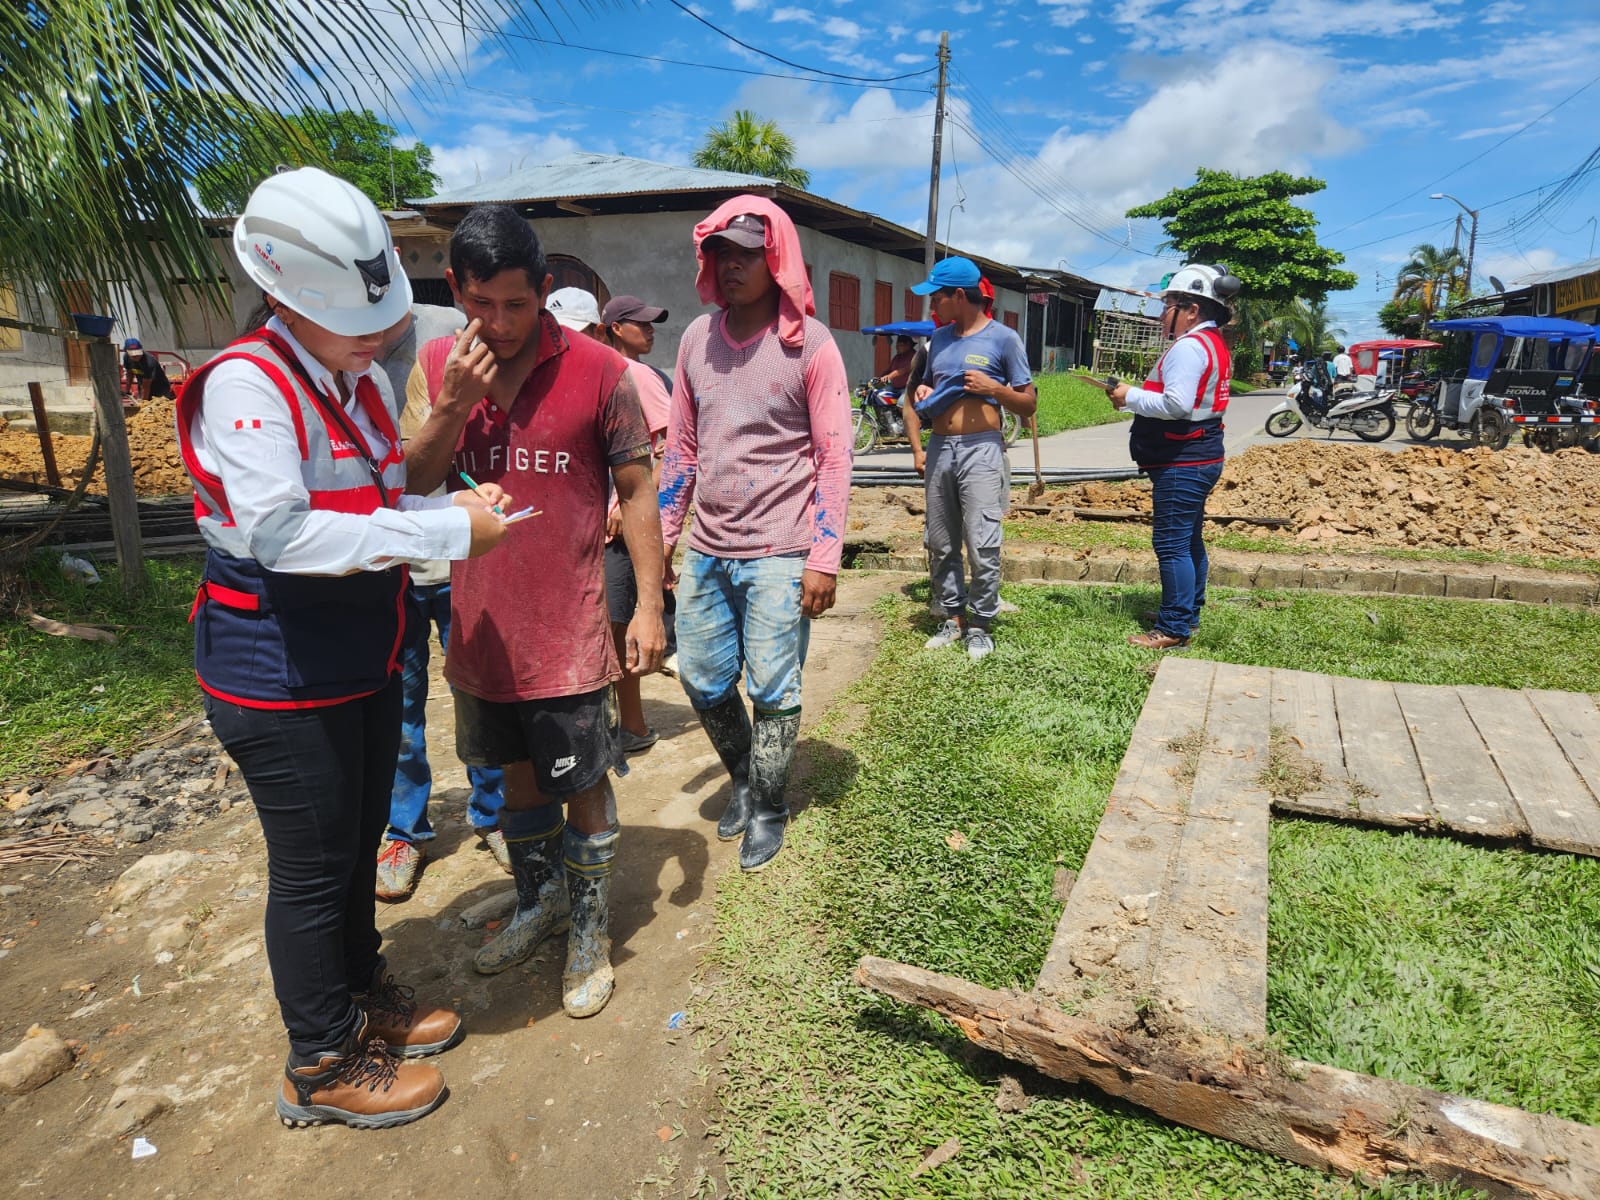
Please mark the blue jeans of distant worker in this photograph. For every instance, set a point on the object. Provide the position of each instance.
(742, 615)
(413, 778)
(1179, 495)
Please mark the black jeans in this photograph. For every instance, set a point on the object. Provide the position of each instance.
(320, 779)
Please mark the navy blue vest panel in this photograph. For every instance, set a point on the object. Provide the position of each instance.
(273, 640)
(1153, 442)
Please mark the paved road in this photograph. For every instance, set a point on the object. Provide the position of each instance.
(1106, 446)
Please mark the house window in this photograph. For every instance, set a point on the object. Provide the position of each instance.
(10, 339)
(1010, 318)
(844, 301)
(913, 306)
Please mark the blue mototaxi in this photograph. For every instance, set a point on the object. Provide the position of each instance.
(1522, 374)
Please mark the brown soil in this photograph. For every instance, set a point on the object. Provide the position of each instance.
(1348, 498)
(152, 445)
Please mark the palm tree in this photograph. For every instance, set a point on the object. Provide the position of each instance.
(1307, 323)
(751, 146)
(111, 109)
(1421, 278)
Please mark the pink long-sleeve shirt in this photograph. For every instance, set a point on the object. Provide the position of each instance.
(760, 441)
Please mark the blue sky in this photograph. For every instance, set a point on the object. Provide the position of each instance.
(1063, 116)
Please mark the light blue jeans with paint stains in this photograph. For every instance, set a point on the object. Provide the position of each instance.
(742, 615)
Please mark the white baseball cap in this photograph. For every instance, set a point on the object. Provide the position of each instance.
(574, 308)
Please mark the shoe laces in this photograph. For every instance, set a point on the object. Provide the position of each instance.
(394, 850)
(368, 1066)
(391, 999)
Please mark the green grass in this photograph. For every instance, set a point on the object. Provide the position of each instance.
(1430, 961)
(62, 698)
(1069, 401)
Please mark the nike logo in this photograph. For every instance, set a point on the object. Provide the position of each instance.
(563, 765)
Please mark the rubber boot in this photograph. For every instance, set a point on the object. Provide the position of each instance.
(771, 752)
(587, 982)
(728, 726)
(359, 1085)
(534, 845)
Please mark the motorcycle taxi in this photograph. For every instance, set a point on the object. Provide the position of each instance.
(1522, 376)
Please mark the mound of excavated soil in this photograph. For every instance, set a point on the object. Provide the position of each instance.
(1350, 497)
(152, 445)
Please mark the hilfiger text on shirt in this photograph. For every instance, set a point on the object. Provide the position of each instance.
(518, 458)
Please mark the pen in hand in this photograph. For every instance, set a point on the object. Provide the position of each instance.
(473, 484)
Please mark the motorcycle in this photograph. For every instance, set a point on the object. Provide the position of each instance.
(877, 415)
(1367, 414)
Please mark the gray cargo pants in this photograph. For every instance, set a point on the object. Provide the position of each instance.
(969, 489)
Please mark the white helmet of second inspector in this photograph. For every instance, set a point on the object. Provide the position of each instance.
(318, 245)
(1201, 279)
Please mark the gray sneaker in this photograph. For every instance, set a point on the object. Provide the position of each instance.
(496, 842)
(949, 634)
(979, 644)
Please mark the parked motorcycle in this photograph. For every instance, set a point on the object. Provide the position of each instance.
(1367, 414)
(878, 416)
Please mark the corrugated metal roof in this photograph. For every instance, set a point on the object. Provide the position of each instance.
(579, 175)
(1141, 304)
(1556, 275)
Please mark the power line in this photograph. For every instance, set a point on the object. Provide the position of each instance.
(1515, 133)
(684, 8)
(490, 32)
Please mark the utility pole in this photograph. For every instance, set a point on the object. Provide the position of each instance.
(938, 139)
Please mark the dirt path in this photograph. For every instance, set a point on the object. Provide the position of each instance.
(612, 1107)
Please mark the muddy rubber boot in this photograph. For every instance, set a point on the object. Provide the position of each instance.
(358, 1085)
(728, 726)
(534, 844)
(771, 752)
(408, 1029)
(587, 983)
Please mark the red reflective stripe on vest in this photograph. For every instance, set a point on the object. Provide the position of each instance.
(280, 705)
(363, 501)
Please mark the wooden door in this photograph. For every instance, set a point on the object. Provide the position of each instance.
(882, 314)
(77, 353)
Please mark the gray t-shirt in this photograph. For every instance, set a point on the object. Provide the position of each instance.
(996, 350)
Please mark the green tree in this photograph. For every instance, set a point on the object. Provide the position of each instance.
(112, 107)
(752, 146)
(1402, 317)
(354, 145)
(1248, 223)
(1307, 322)
(1431, 277)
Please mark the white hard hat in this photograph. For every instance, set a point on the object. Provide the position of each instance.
(1200, 279)
(316, 244)
(574, 308)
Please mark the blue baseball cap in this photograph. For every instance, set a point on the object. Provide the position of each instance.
(132, 344)
(949, 273)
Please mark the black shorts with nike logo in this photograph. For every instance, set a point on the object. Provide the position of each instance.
(572, 741)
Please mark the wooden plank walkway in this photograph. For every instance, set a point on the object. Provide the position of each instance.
(1170, 908)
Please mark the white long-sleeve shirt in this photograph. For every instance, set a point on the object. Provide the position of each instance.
(245, 434)
(1181, 368)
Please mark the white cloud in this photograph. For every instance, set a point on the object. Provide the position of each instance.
(746, 5)
(840, 28)
(1007, 44)
(896, 32)
(780, 15)
(1056, 51)
(1489, 131)
(927, 37)
(910, 60)
(491, 152)
(1217, 24)
(966, 7)
(1517, 265)
(1499, 12)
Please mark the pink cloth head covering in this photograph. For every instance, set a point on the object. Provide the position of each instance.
(784, 259)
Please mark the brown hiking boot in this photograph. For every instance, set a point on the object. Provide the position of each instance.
(360, 1086)
(408, 1029)
(1156, 640)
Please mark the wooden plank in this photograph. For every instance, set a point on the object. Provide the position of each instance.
(1209, 961)
(1317, 1116)
(1559, 808)
(1104, 932)
(1303, 707)
(1378, 756)
(1464, 784)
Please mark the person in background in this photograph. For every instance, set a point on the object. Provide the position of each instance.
(976, 366)
(517, 398)
(1176, 439)
(401, 853)
(760, 443)
(144, 371)
(300, 495)
(1344, 368)
(905, 351)
(628, 326)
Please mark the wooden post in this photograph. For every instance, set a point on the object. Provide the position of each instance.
(124, 502)
(41, 424)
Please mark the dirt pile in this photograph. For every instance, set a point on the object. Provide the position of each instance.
(152, 445)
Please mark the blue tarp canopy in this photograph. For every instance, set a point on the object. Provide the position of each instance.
(909, 328)
(1524, 327)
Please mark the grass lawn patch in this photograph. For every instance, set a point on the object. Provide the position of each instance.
(62, 698)
(1069, 401)
(1429, 961)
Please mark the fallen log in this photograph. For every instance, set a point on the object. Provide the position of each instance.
(1314, 1115)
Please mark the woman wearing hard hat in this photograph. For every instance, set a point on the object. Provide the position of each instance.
(1176, 439)
(300, 494)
